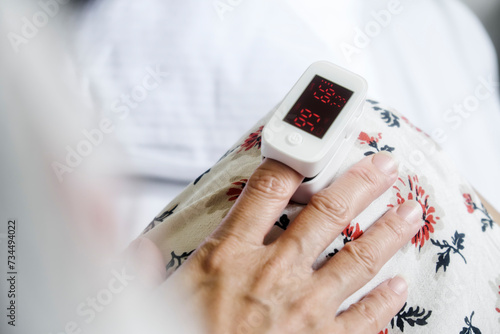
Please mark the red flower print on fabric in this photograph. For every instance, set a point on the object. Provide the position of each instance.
(495, 288)
(487, 221)
(253, 140)
(352, 233)
(468, 203)
(364, 138)
(235, 192)
(498, 309)
(386, 331)
(373, 141)
(412, 190)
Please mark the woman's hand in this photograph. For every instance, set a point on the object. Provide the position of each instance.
(241, 285)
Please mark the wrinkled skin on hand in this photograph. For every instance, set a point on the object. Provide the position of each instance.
(238, 284)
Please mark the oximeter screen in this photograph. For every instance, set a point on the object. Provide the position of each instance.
(318, 106)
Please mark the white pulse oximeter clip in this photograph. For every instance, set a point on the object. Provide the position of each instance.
(314, 127)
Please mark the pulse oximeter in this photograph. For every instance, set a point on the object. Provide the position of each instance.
(314, 127)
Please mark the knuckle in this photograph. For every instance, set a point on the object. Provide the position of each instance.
(306, 312)
(365, 176)
(334, 206)
(385, 298)
(396, 229)
(274, 268)
(258, 310)
(368, 312)
(213, 255)
(365, 255)
(268, 184)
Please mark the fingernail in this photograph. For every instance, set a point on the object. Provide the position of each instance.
(385, 162)
(398, 285)
(410, 211)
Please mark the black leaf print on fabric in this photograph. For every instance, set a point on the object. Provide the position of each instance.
(166, 214)
(373, 144)
(371, 101)
(199, 177)
(472, 206)
(470, 329)
(387, 148)
(159, 218)
(413, 316)
(332, 254)
(149, 227)
(283, 222)
(487, 222)
(177, 260)
(389, 118)
(456, 247)
(226, 154)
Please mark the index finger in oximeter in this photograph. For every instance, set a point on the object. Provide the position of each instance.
(311, 130)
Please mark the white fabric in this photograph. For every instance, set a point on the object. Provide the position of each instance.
(226, 73)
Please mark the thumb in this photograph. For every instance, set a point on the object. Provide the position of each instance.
(146, 261)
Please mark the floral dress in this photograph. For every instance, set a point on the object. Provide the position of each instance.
(452, 264)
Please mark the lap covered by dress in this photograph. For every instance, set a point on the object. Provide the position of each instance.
(452, 264)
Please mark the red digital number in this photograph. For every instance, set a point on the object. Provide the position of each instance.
(340, 101)
(328, 96)
(307, 118)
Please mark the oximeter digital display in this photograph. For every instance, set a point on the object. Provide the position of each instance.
(318, 106)
(313, 128)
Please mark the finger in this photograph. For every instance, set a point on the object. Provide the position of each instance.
(372, 313)
(360, 260)
(330, 210)
(264, 197)
(145, 260)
